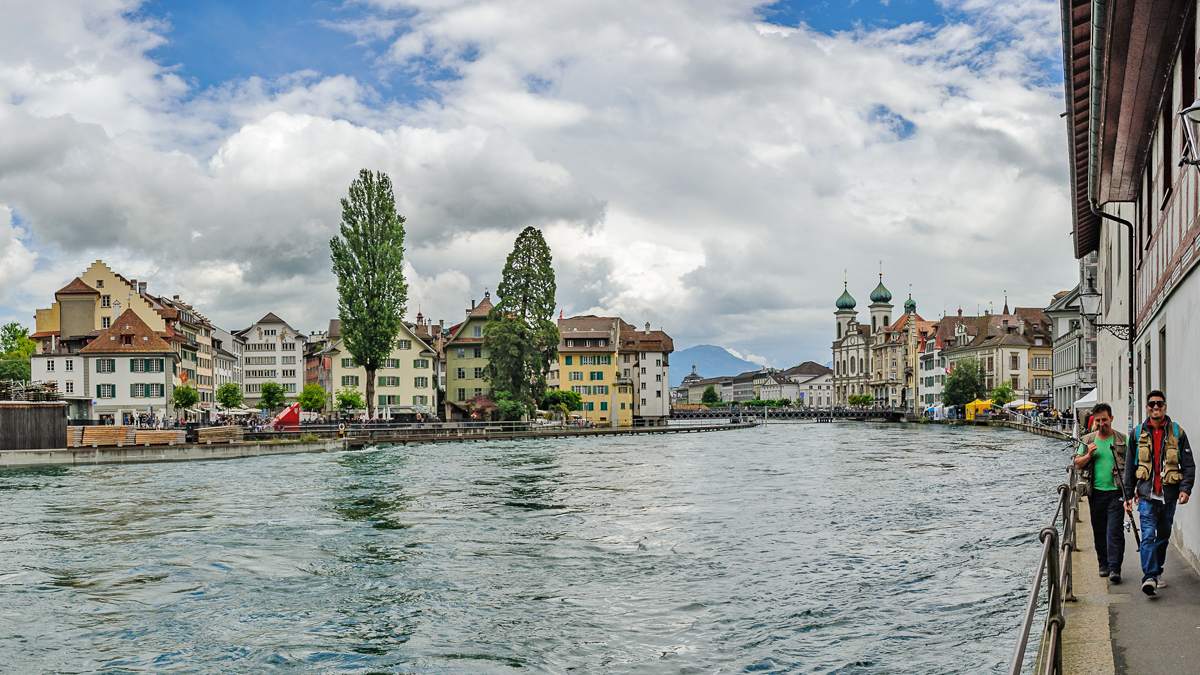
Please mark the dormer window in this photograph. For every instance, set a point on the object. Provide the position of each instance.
(126, 339)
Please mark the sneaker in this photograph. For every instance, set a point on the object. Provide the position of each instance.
(1150, 586)
(1161, 583)
(1115, 577)
(1103, 573)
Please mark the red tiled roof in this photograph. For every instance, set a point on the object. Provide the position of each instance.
(77, 287)
(143, 339)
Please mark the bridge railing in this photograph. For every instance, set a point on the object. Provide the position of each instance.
(1054, 565)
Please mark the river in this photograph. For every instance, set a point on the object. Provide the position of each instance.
(797, 548)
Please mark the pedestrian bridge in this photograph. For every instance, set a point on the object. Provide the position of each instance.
(794, 414)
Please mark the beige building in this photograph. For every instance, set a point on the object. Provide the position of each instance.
(405, 382)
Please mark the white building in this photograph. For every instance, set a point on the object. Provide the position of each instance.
(231, 348)
(273, 352)
(644, 355)
(129, 369)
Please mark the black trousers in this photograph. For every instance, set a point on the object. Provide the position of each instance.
(1108, 527)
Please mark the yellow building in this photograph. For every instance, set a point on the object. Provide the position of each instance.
(588, 365)
(407, 379)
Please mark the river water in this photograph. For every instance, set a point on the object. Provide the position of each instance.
(802, 548)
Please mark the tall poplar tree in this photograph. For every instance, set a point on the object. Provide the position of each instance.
(520, 336)
(368, 261)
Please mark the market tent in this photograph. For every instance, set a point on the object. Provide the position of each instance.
(1087, 402)
(1020, 404)
(977, 406)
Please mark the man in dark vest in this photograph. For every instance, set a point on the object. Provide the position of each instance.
(1159, 463)
(1101, 460)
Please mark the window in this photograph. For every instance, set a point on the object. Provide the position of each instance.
(106, 391)
(289, 373)
(479, 352)
(272, 331)
(290, 388)
(477, 331)
(626, 361)
(407, 344)
(462, 394)
(643, 385)
(256, 373)
(622, 405)
(589, 406)
(600, 390)
(570, 343)
(349, 380)
(658, 394)
(106, 365)
(478, 373)
(70, 387)
(596, 376)
(106, 301)
(990, 366)
(582, 390)
(658, 378)
(478, 391)
(603, 406)
(643, 371)
(462, 353)
(389, 381)
(287, 360)
(346, 363)
(421, 382)
(420, 400)
(389, 363)
(253, 388)
(69, 365)
(626, 372)
(1014, 361)
(461, 373)
(105, 321)
(658, 362)
(1016, 382)
(287, 346)
(99, 283)
(420, 363)
(50, 365)
(576, 375)
(643, 401)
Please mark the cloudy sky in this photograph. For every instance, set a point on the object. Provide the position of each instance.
(709, 166)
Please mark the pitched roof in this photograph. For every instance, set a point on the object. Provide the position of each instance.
(633, 339)
(143, 339)
(807, 368)
(77, 287)
(271, 318)
(482, 308)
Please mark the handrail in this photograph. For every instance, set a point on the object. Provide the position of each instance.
(1055, 565)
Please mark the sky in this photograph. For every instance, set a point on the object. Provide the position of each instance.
(716, 168)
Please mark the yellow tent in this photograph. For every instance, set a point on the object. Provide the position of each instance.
(975, 407)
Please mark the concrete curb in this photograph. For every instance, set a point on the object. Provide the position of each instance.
(1087, 637)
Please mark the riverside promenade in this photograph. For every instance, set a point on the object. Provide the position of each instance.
(1117, 629)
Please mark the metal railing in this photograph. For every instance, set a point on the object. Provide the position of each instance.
(1055, 566)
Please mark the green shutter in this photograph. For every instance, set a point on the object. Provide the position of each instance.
(382, 399)
(97, 391)
(131, 365)
(98, 367)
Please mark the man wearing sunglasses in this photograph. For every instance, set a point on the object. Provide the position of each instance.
(1159, 464)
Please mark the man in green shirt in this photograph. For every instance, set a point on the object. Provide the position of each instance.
(1101, 460)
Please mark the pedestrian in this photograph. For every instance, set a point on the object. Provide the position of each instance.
(1163, 472)
(1101, 461)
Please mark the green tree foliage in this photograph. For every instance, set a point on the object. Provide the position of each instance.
(229, 395)
(710, 395)
(965, 383)
(506, 408)
(859, 399)
(1003, 394)
(312, 398)
(368, 261)
(562, 397)
(521, 336)
(349, 398)
(15, 351)
(272, 396)
(185, 397)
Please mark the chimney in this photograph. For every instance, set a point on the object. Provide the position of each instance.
(142, 288)
(472, 304)
(647, 328)
(176, 298)
(441, 325)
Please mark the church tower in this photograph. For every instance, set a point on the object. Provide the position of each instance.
(845, 311)
(881, 307)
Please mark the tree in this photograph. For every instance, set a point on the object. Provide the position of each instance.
(481, 406)
(272, 396)
(520, 335)
(710, 395)
(185, 397)
(349, 398)
(507, 408)
(859, 399)
(562, 397)
(1003, 394)
(15, 351)
(312, 398)
(965, 383)
(229, 395)
(368, 260)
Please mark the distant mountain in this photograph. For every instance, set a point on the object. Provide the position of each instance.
(710, 361)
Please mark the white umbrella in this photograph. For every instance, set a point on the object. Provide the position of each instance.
(1088, 401)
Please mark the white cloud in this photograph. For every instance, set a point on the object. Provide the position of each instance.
(691, 165)
(16, 260)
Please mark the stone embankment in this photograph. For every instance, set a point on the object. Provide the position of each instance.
(302, 443)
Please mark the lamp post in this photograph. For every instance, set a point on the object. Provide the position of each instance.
(1089, 299)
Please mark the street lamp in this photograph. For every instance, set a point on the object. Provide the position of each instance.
(1191, 130)
(1089, 299)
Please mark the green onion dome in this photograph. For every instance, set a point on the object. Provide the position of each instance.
(845, 301)
(910, 306)
(881, 293)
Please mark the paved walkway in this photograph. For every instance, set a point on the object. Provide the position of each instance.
(1117, 629)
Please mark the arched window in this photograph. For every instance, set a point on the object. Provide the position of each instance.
(886, 320)
(852, 365)
(839, 330)
(873, 326)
